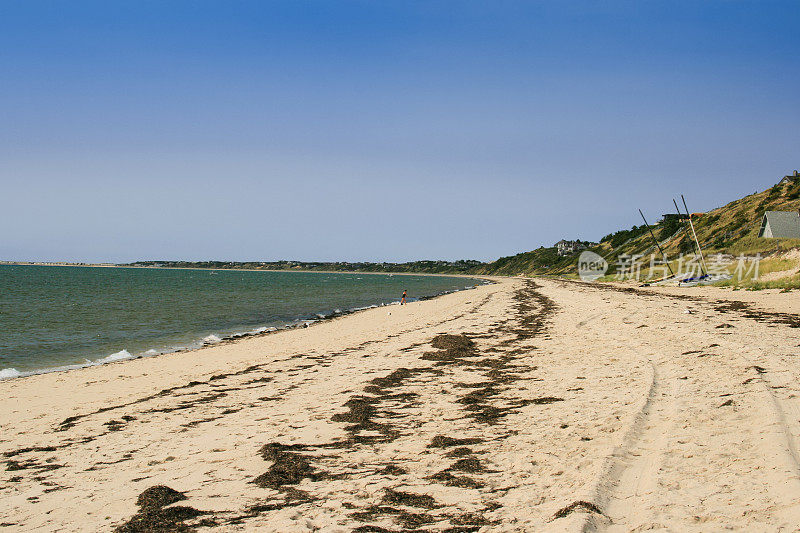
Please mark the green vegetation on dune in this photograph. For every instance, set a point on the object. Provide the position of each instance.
(540, 261)
(731, 230)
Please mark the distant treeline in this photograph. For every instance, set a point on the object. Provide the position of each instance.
(463, 266)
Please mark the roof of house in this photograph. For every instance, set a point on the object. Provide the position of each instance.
(784, 224)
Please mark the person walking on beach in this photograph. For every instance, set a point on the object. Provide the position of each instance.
(403, 299)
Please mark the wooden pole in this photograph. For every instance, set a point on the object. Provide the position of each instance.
(663, 255)
(699, 250)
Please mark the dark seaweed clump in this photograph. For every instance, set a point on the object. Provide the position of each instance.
(288, 467)
(159, 496)
(461, 451)
(441, 441)
(394, 379)
(453, 342)
(452, 349)
(393, 470)
(539, 401)
(409, 520)
(464, 482)
(467, 464)
(154, 517)
(361, 409)
(746, 310)
(409, 499)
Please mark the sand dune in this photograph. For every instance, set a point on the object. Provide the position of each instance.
(519, 406)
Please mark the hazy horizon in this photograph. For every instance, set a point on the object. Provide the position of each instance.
(392, 131)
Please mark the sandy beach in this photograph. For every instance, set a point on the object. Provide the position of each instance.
(524, 405)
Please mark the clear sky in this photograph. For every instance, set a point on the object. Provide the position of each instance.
(380, 130)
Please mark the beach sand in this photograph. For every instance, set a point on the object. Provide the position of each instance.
(525, 405)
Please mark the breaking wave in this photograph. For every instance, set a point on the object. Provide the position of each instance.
(8, 373)
(119, 356)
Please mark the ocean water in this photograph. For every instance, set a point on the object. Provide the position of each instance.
(54, 318)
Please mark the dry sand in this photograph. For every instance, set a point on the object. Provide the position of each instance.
(518, 406)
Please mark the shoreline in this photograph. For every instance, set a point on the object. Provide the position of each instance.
(297, 323)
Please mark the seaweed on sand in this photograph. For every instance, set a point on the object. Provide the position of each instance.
(465, 482)
(468, 464)
(456, 343)
(159, 496)
(747, 311)
(461, 451)
(539, 401)
(154, 516)
(414, 520)
(441, 441)
(452, 349)
(288, 467)
(392, 469)
(409, 499)
(12, 466)
(394, 379)
(360, 412)
(362, 409)
(19, 451)
(532, 312)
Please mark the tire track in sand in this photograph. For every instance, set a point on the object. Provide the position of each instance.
(627, 493)
(630, 475)
(785, 433)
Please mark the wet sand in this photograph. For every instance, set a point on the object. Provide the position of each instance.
(519, 406)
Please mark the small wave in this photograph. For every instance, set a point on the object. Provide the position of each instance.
(150, 352)
(119, 356)
(211, 339)
(8, 373)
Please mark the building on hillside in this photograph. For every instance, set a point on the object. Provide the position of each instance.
(790, 178)
(780, 225)
(565, 247)
(675, 216)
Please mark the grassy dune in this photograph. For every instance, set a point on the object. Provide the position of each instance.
(730, 230)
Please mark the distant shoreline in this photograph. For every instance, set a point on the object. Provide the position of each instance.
(109, 265)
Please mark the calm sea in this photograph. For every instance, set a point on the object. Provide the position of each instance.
(63, 317)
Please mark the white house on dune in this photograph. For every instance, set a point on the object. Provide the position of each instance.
(780, 225)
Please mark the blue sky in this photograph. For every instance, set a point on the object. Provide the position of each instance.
(395, 131)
